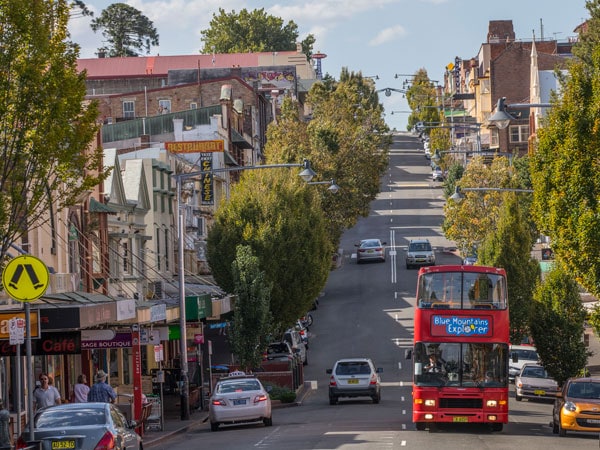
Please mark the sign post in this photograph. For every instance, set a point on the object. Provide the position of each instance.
(25, 279)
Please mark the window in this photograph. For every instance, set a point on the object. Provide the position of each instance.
(519, 133)
(193, 105)
(494, 140)
(164, 106)
(129, 109)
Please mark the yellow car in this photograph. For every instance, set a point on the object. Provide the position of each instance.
(578, 406)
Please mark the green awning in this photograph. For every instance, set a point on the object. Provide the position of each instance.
(239, 140)
(97, 207)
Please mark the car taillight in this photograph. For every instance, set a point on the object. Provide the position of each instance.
(218, 402)
(332, 381)
(260, 398)
(378, 249)
(361, 250)
(106, 443)
(373, 379)
(21, 443)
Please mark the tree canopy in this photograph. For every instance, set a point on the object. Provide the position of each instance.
(46, 125)
(127, 31)
(280, 218)
(252, 31)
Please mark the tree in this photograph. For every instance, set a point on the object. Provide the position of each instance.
(346, 140)
(126, 30)
(46, 126)
(252, 31)
(280, 218)
(251, 326)
(564, 169)
(423, 101)
(557, 326)
(509, 246)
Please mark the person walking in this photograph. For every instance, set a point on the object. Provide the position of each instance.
(81, 390)
(101, 391)
(45, 395)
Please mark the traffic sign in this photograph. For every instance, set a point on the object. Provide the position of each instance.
(25, 278)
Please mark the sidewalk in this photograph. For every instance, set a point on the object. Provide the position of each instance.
(173, 424)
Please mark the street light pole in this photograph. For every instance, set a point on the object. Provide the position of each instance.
(306, 174)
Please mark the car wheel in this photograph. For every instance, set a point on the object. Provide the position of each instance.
(268, 421)
(305, 363)
(420, 426)
(554, 427)
(518, 397)
(561, 431)
(333, 400)
(376, 398)
(407, 266)
(214, 426)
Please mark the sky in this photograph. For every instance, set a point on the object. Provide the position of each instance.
(375, 37)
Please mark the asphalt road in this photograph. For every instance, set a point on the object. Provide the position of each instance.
(366, 310)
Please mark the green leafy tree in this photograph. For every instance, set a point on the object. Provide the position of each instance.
(252, 320)
(46, 125)
(423, 102)
(557, 326)
(79, 9)
(509, 246)
(346, 140)
(127, 31)
(280, 218)
(252, 31)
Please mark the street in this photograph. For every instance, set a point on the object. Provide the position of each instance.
(366, 310)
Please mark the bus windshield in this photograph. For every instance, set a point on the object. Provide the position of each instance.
(462, 290)
(460, 364)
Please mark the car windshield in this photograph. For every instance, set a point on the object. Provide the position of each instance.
(586, 390)
(529, 355)
(353, 368)
(370, 243)
(238, 386)
(534, 372)
(278, 348)
(420, 247)
(65, 418)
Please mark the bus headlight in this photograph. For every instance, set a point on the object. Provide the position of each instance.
(430, 402)
(492, 403)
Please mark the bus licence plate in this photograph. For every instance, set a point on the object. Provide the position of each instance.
(539, 392)
(460, 419)
(63, 444)
(353, 381)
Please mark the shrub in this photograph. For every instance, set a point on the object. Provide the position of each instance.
(285, 394)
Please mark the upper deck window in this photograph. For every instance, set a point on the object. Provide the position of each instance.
(462, 290)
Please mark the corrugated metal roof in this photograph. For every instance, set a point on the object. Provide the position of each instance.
(160, 65)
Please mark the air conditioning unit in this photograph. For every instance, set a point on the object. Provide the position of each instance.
(155, 290)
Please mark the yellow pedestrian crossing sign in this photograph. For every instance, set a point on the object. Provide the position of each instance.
(25, 278)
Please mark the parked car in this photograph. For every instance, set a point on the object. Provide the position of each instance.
(578, 406)
(294, 338)
(239, 399)
(419, 253)
(280, 351)
(370, 249)
(354, 377)
(519, 356)
(534, 382)
(84, 426)
(437, 174)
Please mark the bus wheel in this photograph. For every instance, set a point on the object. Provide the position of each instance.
(497, 427)
(420, 426)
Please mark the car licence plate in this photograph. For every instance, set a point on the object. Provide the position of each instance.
(63, 444)
(539, 392)
(239, 401)
(461, 419)
(593, 421)
(353, 381)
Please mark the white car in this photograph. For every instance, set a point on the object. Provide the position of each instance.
(519, 355)
(239, 399)
(354, 377)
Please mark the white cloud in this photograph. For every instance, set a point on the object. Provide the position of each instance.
(387, 35)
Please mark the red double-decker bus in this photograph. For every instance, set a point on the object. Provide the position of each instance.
(460, 354)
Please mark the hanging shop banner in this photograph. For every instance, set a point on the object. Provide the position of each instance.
(207, 194)
(34, 318)
(99, 339)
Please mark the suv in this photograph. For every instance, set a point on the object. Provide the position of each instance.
(419, 253)
(519, 356)
(294, 338)
(354, 377)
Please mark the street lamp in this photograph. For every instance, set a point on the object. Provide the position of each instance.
(306, 174)
(333, 188)
(501, 118)
(458, 195)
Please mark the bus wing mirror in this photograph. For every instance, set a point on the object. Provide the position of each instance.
(408, 353)
(515, 358)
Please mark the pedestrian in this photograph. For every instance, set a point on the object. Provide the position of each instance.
(45, 395)
(101, 391)
(81, 390)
